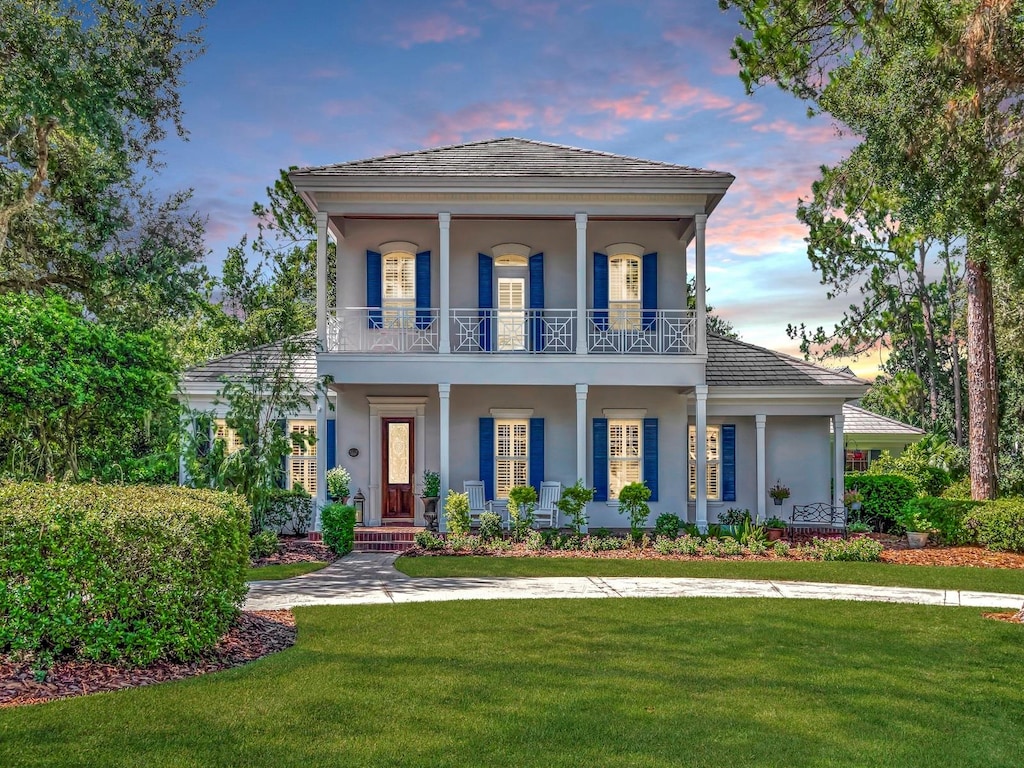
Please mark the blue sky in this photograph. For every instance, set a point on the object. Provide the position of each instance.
(316, 82)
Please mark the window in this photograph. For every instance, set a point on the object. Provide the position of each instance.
(625, 454)
(858, 459)
(511, 455)
(511, 313)
(714, 465)
(301, 464)
(399, 289)
(221, 431)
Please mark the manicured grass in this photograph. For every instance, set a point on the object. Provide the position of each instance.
(286, 571)
(1004, 580)
(652, 682)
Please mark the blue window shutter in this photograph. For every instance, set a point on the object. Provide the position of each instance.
(282, 480)
(423, 289)
(651, 456)
(537, 300)
(487, 455)
(649, 289)
(332, 443)
(601, 291)
(374, 290)
(536, 453)
(728, 462)
(485, 299)
(600, 451)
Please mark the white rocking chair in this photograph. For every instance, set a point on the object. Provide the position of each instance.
(546, 513)
(477, 505)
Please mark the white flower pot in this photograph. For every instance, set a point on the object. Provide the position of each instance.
(917, 539)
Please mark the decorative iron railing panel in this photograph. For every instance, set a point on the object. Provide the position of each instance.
(399, 330)
(511, 331)
(644, 332)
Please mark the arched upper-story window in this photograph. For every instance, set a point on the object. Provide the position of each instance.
(398, 289)
(624, 281)
(511, 263)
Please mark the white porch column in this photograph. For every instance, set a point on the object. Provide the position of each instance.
(700, 222)
(581, 283)
(444, 390)
(444, 222)
(838, 486)
(321, 280)
(321, 455)
(762, 486)
(685, 414)
(701, 391)
(188, 432)
(581, 432)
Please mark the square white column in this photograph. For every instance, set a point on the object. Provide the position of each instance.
(701, 391)
(762, 485)
(581, 283)
(321, 455)
(444, 390)
(444, 221)
(838, 485)
(581, 432)
(700, 225)
(321, 280)
(685, 419)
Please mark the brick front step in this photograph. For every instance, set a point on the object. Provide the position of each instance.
(385, 539)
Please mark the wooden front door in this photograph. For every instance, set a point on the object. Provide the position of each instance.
(398, 468)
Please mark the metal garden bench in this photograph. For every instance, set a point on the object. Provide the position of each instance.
(819, 516)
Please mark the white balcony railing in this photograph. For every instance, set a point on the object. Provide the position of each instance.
(642, 331)
(408, 330)
(526, 331)
(382, 331)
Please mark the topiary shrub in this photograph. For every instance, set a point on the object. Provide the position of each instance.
(456, 512)
(633, 504)
(338, 524)
(997, 525)
(490, 526)
(289, 509)
(522, 501)
(263, 544)
(946, 515)
(884, 497)
(114, 573)
(573, 505)
(667, 525)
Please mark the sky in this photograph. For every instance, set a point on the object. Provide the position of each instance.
(311, 83)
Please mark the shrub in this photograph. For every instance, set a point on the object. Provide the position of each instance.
(114, 573)
(338, 482)
(633, 504)
(428, 540)
(458, 542)
(338, 523)
(860, 549)
(946, 516)
(733, 516)
(534, 541)
(997, 525)
(926, 477)
(667, 525)
(263, 544)
(522, 501)
(490, 526)
(573, 505)
(961, 489)
(884, 497)
(664, 545)
(292, 508)
(712, 546)
(603, 543)
(456, 512)
(731, 546)
(431, 484)
(781, 548)
(757, 546)
(688, 545)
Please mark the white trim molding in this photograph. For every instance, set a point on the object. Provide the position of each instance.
(412, 407)
(624, 249)
(624, 413)
(511, 413)
(398, 246)
(511, 249)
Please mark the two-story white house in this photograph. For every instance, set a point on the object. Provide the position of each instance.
(513, 311)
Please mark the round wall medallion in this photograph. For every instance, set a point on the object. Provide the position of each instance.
(353, 452)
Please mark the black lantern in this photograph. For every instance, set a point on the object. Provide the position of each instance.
(359, 502)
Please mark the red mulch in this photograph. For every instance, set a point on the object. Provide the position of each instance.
(297, 550)
(255, 634)
(972, 557)
(1008, 616)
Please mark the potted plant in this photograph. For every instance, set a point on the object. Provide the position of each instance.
(918, 527)
(338, 479)
(776, 528)
(779, 493)
(431, 493)
(853, 499)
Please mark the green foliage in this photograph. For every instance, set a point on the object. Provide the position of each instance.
(338, 480)
(573, 505)
(456, 512)
(117, 573)
(338, 525)
(633, 504)
(733, 516)
(431, 484)
(522, 501)
(774, 522)
(490, 526)
(292, 509)
(927, 478)
(857, 549)
(997, 525)
(428, 540)
(960, 489)
(667, 525)
(779, 491)
(884, 497)
(943, 516)
(781, 548)
(263, 544)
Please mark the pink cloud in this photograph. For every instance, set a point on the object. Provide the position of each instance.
(436, 28)
(630, 108)
(683, 94)
(817, 133)
(482, 120)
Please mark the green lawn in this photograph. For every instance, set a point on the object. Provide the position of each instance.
(286, 571)
(880, 574)
(653, 682)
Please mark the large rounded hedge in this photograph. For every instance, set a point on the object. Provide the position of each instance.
(119, 573)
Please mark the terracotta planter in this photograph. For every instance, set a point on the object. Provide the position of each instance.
(917, 539)
(775, 534)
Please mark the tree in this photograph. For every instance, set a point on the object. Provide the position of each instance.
(70, 385)
(88, 90)
(716, 324)
(934, 90)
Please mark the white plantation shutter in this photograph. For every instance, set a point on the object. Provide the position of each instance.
(714, 465)
(399, 290)
(624, 292)
(625, 457)
(221, 431)
(302, 462)
(512, 456)
(511, 314)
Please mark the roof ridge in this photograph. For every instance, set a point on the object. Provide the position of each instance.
(250, 351)
(790, 358)
(890, 419)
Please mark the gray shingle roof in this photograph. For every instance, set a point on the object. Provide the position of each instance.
(738, 364)
(859, 421)
(238, 364)
(507, 157)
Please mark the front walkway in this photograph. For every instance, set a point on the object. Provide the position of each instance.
(369, 578)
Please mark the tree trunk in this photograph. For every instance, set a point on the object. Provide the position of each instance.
(929, 333)
(954, 355)
(981, 381)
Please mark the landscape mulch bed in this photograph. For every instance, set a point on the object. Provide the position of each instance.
(255, 634)
(297, 550)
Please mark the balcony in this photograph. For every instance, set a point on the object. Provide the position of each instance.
(408, 330)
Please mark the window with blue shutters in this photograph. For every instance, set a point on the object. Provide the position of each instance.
(423, 318)
(374, 289)
(720, 445)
